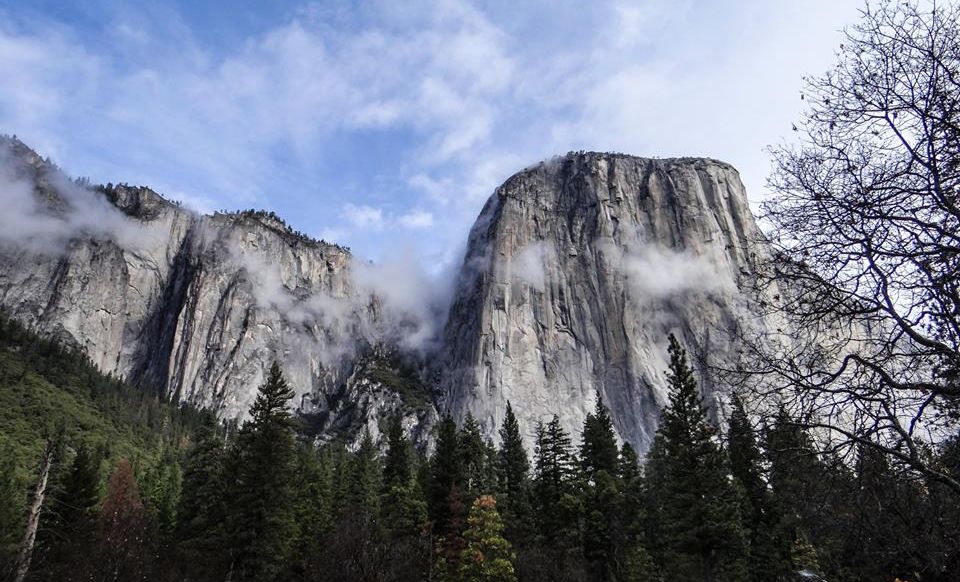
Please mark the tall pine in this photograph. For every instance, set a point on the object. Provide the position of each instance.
(72, 516)
(446, 475)
(513, 473)
(557, 500)
(403, 508)
(601, 493)
(769, 555)
(262, 512)
(797, 479)
(701, 535)
(473, 454)
(200, 531)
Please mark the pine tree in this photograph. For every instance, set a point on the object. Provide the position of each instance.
(12, 505)
(398, 461)
(634, 561)
(403, 508)
(601, 492)
(445, 501)
(513, 473)
(473, 455)
(446, 475)
(342, 465)
(769, 561)
(364, 492)
(698, 508)
(200, 531)
(313, 509)
(556, 488)
(262, 512)
(72, 517)
(164, 486)
(488, 557)
(598, 451)
(797, 477)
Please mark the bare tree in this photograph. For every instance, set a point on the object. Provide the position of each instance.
(36, 507)
(865, 223)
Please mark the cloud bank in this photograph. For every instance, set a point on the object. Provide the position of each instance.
(410, 108)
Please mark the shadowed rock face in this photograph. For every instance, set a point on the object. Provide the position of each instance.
(576, 272)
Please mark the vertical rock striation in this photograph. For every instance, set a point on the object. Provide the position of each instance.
(577, 270)
(196, 307)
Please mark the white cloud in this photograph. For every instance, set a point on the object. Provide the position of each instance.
(657, 272)
(416, 219)
(465, 94)
(362, 216)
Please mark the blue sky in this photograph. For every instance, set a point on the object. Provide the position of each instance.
(386, 125)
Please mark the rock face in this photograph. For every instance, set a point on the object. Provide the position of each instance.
(195, 307)
(576, 272)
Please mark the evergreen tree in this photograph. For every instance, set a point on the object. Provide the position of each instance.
(164, 488)
(601, 499)
(72, 517)
(556, 488)
(698, 508)
(342, 465)
(200, 531)
(637, 565)
(473, 458)
(797, 477)
(314, 509)
(364, 490)
(262, 516)
(446, 476)
(404, 510)
(398, 462)
(513, 473)
(634, 561)
(489, 480)
(12, 504)
(598, 451)
(446, 495)
(488, 557)
(769, 557)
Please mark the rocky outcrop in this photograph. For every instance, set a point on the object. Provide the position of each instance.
(576, 272)
(195, 307)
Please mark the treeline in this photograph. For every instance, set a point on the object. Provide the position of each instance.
(56, 410)
(754, 504)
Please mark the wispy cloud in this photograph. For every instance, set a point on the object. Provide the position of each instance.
(414, 110)
(363, 216)
(417, 219)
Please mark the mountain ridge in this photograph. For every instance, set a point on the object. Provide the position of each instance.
(197, 306)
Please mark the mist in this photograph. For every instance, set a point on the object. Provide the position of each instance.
(43, 218)
(395, 301)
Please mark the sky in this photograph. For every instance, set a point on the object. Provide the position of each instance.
(385, 125)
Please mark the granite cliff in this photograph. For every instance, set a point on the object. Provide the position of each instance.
(196, 307)
(575, 272)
